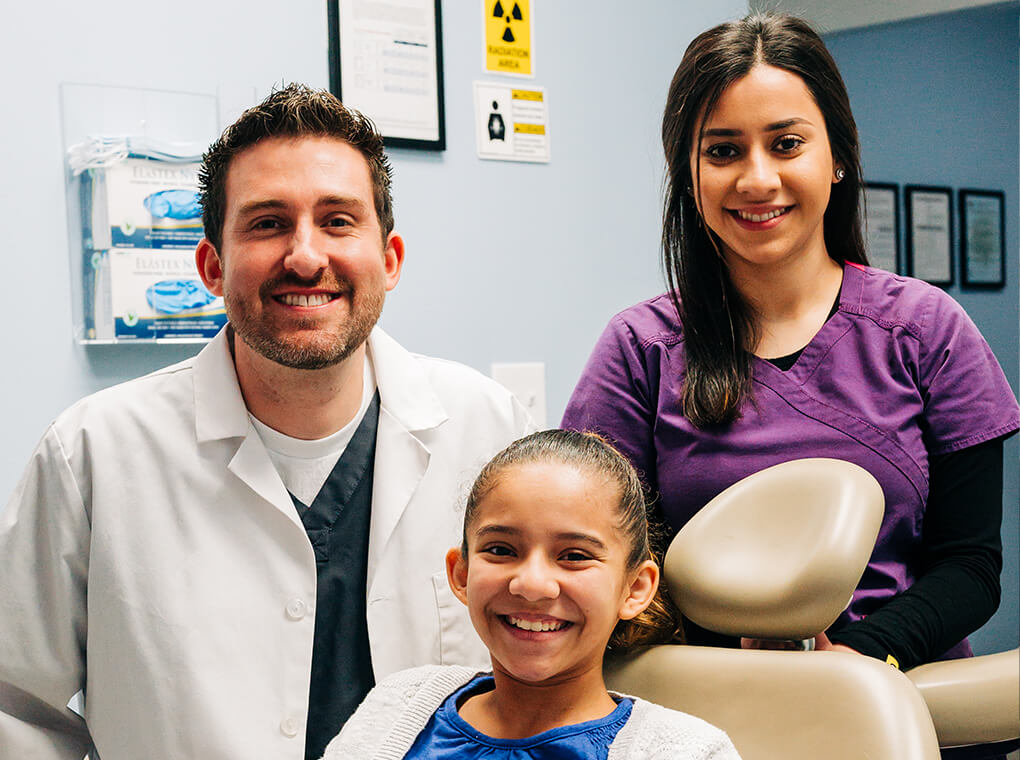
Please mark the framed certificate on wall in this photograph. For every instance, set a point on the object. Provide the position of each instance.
(930, 233)
(983, 238)
(386, 60)
(882, 225)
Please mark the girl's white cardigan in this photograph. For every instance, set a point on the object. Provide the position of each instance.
(393, 714)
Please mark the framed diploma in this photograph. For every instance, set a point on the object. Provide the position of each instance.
(930, 233)
(983, 238)
(386, 60)
(882, 225)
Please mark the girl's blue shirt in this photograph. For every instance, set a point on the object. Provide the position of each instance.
(448, 736)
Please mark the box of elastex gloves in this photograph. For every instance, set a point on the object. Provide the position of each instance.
(144, 203)
(153, 294)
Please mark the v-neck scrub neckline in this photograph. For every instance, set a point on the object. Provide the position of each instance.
(785, 363)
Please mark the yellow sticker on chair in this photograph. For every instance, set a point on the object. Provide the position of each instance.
(890, 660)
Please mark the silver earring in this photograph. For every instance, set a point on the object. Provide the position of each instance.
(840, 173)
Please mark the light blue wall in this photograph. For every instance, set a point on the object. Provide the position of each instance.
(505, 262)
(936, 103)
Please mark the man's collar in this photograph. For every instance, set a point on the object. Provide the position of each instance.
(219, 406)
(405, 388)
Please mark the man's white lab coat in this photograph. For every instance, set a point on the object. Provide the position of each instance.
(152, 555)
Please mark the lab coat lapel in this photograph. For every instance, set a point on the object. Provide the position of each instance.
(220, 413)
(251, 464)
(409, 406)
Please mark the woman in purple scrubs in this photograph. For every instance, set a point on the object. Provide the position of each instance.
(776, 341)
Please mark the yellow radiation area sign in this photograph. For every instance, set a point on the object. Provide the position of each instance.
(508, 37)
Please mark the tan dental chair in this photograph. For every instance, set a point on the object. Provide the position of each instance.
(777, 556)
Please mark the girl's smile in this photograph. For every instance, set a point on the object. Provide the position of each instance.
(532, 624)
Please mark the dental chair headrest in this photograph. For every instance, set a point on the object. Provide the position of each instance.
(778, 554)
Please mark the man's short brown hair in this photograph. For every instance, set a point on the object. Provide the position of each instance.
(294, 111)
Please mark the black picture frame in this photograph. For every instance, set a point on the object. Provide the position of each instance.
(978, 249)
(930, 233)
(390, 133)
(877, 239)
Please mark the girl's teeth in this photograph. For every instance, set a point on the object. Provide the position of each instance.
(761, 217)
(536, 625)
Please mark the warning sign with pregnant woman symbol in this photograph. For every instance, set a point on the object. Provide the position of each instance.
(511, 123)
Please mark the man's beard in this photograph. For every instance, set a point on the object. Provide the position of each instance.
(297, 347)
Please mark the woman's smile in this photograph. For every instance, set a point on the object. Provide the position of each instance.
(760, 218)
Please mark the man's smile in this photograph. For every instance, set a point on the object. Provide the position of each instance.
(306, 300)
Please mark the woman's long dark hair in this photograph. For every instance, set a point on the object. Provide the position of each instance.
(719, 326)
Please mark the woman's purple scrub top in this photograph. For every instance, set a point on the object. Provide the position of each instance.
(897, 374)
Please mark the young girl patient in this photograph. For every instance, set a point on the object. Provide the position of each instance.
(554, 567)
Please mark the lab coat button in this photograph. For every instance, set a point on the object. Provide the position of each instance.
(296, 609)
(289, 727)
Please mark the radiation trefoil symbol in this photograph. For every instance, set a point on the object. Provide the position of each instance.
(514, 15)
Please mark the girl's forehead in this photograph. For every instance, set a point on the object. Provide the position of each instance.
(563, 480)
(546, 494)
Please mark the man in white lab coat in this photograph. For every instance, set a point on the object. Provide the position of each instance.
(223, 555)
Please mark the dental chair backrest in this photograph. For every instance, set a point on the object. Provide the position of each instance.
(777, 556)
